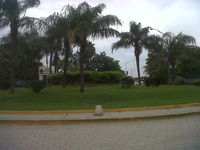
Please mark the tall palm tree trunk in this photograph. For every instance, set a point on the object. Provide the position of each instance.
(14, 33)
(36, 74)
(56, 62)
(66, 61)
(50, 63)
(82, 62)
(137, 56)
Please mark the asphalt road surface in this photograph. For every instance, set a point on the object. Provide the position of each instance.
(165, 134)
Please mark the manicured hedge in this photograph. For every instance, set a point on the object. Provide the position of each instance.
(196, 82)
(91, 77)
(4, 84)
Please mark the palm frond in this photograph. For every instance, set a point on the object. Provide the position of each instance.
(153, 43)
(106, 21)
(68, 10)
(123, 42)
(26, 4)
(104, 33)
(4, 22)
(134, 27)
(98, 9)
(31, 23)
(82, 7)
(185, 39)
(167, 35)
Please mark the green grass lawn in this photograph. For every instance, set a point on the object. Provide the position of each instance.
(56, 98)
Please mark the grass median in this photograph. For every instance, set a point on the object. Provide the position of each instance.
(110, 97)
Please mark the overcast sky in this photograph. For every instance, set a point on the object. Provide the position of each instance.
(165, 15)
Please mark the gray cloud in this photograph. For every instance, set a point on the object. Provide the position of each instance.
(162, 3)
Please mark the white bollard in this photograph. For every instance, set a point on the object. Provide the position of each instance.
(98, 110)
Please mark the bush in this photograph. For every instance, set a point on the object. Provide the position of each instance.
(127, 81)
(37, 85)
(155, 81)
(4, 84)
(196, 82)
(179, 81)
(150, 81)
(91, 77)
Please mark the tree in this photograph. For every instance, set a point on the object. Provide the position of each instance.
(10, 14)
(157, 65)
(101, 62)
(90, 53)
(174, 45)
(96, 62)
(29, 52)
(50, 29)
(134, 38)
(91, 23)
(4, 58)
(168, 54)
(56, 28)
(65, 25)
(188, 63)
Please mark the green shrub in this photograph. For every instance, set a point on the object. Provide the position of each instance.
(55, 78)
(37, 85)
(91, 77)
(179, 81)
(126, 81)
(154, 81)
(150, 81)
(4, 84)
(196, 82)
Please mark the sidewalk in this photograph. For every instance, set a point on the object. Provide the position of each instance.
(124, 115)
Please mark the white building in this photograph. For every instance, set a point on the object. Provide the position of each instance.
(44, 72)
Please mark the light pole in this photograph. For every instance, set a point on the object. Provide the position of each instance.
(156, 30)
(127, 64)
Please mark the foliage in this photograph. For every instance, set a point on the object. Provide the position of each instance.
(91, 77)
(4, 84)
(97, 62)
(196, 82)
(151, 81)
(126, 81)
(170, 55)
(188, 63)
(179, 81)
(12, 13)
(30, 39)
(90, 53)
(37, 85)
(27, 59)
(134, 38)
(101, 62)
(90, 22)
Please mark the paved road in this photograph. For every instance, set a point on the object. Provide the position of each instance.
(167, 134)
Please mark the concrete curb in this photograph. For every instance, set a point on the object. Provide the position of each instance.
(105, 110)
(95, 120)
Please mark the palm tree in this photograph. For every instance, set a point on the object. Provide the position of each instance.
(134, 38)
(156, 63)
(174, 44)
(48, 27)
(90, 53)
(89, 22)
(10, 14)
(163, 52)
(64, 26)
